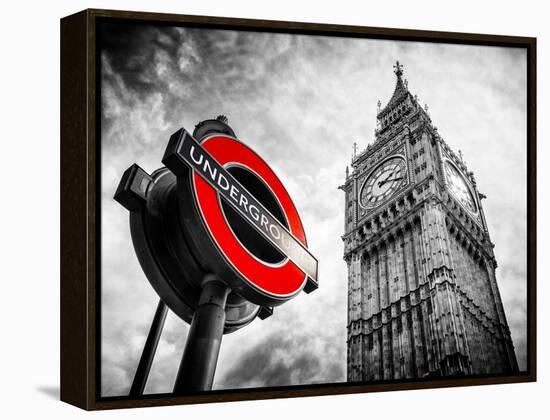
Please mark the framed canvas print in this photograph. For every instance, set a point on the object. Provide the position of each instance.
(261, 209)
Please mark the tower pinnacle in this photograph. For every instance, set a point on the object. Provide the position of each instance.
(398, 69)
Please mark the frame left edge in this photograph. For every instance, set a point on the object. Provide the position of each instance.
(74, 319)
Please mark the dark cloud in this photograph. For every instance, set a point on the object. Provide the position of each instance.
(281, 360)
(132, 50)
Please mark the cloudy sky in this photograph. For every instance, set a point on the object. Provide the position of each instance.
(300, 102)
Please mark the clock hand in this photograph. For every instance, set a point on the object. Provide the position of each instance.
(388, 177)
(388, 180)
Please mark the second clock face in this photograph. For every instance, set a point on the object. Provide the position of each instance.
(383, 182)
(459, 187)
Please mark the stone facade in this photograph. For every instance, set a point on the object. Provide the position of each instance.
(422, 294)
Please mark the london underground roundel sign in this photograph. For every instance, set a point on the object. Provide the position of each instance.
(250, 233)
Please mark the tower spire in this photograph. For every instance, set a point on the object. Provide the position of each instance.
(399, 94)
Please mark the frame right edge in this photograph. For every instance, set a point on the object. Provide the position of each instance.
(532, 207)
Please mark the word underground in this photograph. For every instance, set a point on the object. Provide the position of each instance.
(246, 204)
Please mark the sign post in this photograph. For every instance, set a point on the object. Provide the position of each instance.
(198, 364)
(149, 350)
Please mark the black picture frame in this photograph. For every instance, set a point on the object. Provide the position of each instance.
(80, 206)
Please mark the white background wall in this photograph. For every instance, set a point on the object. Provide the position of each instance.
(29, 221)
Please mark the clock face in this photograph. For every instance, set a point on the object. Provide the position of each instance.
(459, 187)
(384, 182)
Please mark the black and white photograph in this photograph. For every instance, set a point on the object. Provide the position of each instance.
(284, 209)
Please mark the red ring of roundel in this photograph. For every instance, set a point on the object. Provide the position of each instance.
(279, 281)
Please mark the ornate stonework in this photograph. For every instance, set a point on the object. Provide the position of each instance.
(422, 294)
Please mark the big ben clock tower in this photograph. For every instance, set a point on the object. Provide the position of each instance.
(422, 293)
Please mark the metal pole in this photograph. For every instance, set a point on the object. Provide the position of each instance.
(149, 350)
(198, 364)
